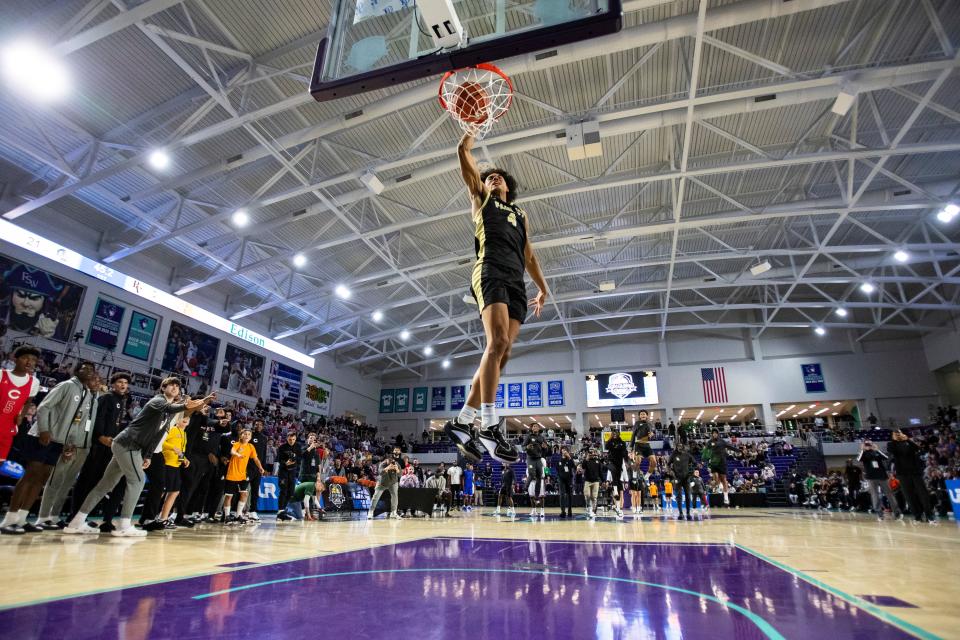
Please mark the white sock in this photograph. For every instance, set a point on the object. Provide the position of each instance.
(467, 415)
(22, 516)
(125, 523)
(78, 519)
(10, 519)
(240, 506)
(488, 415)
(226, 510)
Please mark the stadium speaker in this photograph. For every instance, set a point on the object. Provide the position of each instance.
(616, 414)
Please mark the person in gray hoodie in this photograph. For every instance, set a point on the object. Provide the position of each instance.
(64, 421)
(132, 449)
(388, 480)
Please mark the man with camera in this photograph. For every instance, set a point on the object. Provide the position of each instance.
(875, 471)
(388, 479)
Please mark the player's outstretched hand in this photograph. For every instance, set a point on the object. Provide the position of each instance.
(537, 302)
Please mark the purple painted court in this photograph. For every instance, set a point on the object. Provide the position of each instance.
(480, 589)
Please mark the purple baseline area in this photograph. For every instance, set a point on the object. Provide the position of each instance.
(481, 589)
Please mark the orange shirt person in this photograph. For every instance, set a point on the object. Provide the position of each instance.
(241, 453)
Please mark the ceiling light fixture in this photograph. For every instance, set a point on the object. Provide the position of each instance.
(404, 335)
(446, 363)
(428, 350)
(377, 315)
(841, 312)
(867, 287)
(343, 292)
(901, 256)
(948, 213)
(159, 159)
(299, 260)
(34, 72)
(820, 331)
(240, 218)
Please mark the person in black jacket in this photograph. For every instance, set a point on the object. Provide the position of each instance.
(259, 442)
(288, 455)
(535, 447)
(592, 476)
(875, 471)
(616, 459)
(565, 470)
(110, 420)
(681, 465)
(717, 448)
(505, 496)
(203, 437)
(908, 467)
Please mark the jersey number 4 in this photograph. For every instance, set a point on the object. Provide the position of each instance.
(512, 219)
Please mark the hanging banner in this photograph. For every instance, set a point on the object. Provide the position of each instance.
(140, 335)
(420, 399)
(953, 490)
(401, 401)
(242, 371)
(105, 324)
(34, 302)
(534, 394)
(500, 401)
(515, 395)
(555, 393)
(386, 400)
(813, 378)
(458, 397)
(316, 395)
(438, 400)
(192, 354)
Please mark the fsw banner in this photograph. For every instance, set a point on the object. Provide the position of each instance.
(500, 403)
(458, 397)
(515, 395)
(555, 393)
(534, 394)
(420, 399)
(438, 401)
(386, 400)
(813, 378)
(401, 400)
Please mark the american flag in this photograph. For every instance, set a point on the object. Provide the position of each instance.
(714, 384)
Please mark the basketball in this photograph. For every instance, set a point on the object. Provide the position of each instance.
(470, 102)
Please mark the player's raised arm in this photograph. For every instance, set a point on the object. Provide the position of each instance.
(469, 169)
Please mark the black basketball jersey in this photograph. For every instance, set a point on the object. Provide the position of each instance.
(500, 235)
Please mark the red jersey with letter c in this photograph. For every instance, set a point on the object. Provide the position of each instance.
(12, 399)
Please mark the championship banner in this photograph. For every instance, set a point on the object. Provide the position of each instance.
(813, 378)
(420, 399)
(401, 401)
(555, 393)
(316, 395)
(140, 335)
(438, 400)
(500, 403)
(105, 324)
(458, 397)
(515, 395)
(534, 395)
(386, 400)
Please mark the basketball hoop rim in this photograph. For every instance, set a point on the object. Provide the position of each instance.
(484, 66)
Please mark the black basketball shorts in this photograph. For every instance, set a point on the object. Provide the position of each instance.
(490, 285)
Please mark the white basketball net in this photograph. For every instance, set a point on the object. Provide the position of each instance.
(496, 92)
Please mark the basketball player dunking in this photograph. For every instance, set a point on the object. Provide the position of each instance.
(503, 252)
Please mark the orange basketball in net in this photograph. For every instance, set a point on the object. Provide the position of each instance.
(470, 102)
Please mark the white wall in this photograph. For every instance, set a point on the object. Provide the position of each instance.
(351, 392)
(890, 378)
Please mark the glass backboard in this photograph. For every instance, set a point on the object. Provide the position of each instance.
(373, 44)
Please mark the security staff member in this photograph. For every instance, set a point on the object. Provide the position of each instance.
(288, 455)
(565, 470)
